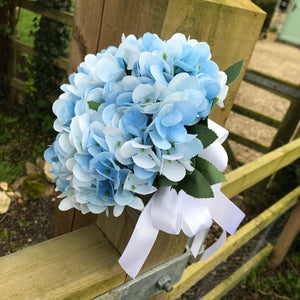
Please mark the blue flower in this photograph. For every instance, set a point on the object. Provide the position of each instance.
(103, 167)
(124, 197)
(168, 124)
(123, 120)
(135, 122)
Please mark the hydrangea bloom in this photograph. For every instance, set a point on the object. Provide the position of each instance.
(123, 120)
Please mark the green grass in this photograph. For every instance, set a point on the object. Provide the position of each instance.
(26, 25)
(283, 281)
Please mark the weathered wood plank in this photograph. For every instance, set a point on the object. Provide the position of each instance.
(231, 28)
(242, 178)
(85, 35)
(273, 84)
(78, 265)
(288, 125)
(258, 116)
(197, 271)
(58, 16)
(131, 17)
(22, 47)
(287, 236)
(62, 221)
(223, 288)
(118, 231)
(62, 62)
(249, 143)
(86, 30)
(18, 84)
(224, 25)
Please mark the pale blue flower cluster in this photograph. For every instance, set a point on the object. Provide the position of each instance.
(123, 118)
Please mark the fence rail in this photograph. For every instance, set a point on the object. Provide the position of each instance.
(19, 46)
(197, 271)
(60, 16)
(285, 127)
(83, 265)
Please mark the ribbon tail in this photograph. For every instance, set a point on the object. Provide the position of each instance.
(214, 247)
(224, 212)
(198, 241)
(139, 245)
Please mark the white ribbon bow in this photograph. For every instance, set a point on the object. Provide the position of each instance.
(172, 212)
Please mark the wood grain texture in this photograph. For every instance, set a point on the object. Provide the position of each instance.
(85, 38)
(86, 30)
(118, 231)
(130, 17)
(78, 265)
(231, 28)
(63, 220)
(242, 178)
(287, 236)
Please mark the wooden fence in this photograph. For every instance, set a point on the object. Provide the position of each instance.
(285, 127)
(83, 264)
(20, 47)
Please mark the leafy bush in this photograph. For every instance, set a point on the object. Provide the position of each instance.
(268, 6)
(7, 24)
(50, 42)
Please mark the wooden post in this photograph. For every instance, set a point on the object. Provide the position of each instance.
(85, 39)
(288, 125)
(230, 27)
(287, 236)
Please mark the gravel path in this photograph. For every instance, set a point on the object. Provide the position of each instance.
(278, 60)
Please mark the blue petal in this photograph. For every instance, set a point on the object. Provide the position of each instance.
(49, 154)
(161, 130)
(213, 89)
(173, 118)
(203, 51)
(188, 111)
(157, 73)
(158, 141)
(124, 98)
(178, 133)
(189, 149)
(83, 160)
(210, 68)
(141, 173)
(108, 113)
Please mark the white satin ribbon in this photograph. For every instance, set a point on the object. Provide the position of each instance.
(172, 212)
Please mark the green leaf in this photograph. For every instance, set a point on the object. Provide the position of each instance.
(162, 181)
(233, 72)
(196, 186)
(204, 134)
(214, 101)
(94, 105)
(209, 171)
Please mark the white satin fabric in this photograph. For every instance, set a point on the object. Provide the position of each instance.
(172, 212)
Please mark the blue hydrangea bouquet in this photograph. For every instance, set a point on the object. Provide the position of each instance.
(134, 121)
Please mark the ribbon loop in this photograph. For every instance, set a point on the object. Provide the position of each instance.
(172, 212)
